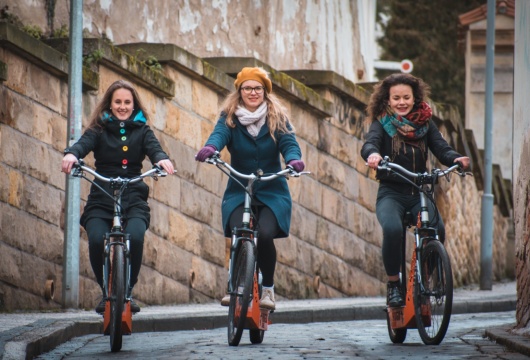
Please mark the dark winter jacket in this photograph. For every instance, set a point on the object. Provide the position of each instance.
(410, 157)
(119, 149)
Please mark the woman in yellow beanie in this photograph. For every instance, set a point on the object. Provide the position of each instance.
(255, 129)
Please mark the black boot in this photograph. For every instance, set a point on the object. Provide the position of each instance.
(394, 297)
(100, 308)
(135, 308)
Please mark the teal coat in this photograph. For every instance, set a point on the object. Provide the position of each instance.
(248, 155)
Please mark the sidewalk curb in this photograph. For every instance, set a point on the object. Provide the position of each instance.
(44, 339)
(503, 336)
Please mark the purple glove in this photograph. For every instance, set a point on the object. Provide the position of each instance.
(205, 153)
(298, 165)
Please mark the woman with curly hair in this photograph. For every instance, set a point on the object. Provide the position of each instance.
(402, 129)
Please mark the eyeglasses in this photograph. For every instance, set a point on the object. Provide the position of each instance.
(257, 89)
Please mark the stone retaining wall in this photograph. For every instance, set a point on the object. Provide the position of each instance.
(335, 244)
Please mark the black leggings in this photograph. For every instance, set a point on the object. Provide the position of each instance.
(268, 229)
(96, 229)
(390, 208)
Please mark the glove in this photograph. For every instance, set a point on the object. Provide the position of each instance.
(205, 153)
(298, 165)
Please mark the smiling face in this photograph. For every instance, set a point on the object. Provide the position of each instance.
(401, 99)
(252, 101)
(122, 104)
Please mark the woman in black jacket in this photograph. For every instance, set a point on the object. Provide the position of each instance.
(120, 140)
(402, 129)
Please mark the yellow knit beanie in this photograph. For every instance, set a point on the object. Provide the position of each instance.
(253, 73)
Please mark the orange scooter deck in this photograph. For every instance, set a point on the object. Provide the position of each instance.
(257, 318)
(403, 317)
(126, 319)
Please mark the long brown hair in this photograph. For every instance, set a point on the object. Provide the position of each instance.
(379, 99)
(104, 104)
(276, 116)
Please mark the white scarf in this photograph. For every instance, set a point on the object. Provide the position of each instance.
(253, 120)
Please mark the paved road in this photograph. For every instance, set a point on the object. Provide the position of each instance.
(367, 339)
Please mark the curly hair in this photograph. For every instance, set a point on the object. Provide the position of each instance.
(378, 102)
(104, 104)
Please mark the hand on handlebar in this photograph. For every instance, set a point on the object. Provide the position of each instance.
(374, 160)
(463, 162)
(205, 153)
(167, 165)
(297, 165)
(68, 162)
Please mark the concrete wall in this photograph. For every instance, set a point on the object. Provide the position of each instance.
(335, 244)
(287, 34)
(503, 88)
(521, 155)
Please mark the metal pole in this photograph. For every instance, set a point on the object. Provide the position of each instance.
(486, 238)
(70, 289)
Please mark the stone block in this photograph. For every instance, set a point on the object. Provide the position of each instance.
(206, 277)
(159, 219)
(166, 258)
(15, 189)
(363, 223)
(182, 157)
(367, 192)
(59, 131)
(165, 190)
(200, 205)
(155, 289)
(31, 235)
(183, 88)
(26, 272)
(210, 178)
(212, 245)
(306, 125)
(347, 116)
(158, 111)
(332, 172)
(293, 284)
(304, 224)
(10, 265)
(45, 89)
(334, 206)
(29, 155)
(207, 127)
(347, 279)
(344, 147)
(295, 253)
(41, 200)
(205, 101)
(172, 120)
(184, 232)
(311, 197)
(351, 185)
(189, 130)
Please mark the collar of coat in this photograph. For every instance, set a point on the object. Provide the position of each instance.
(137, 118)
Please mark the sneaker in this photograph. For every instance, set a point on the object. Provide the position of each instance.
(225, 301)
(267, 299)
(134, 307)
(394, 297)
(100, 308)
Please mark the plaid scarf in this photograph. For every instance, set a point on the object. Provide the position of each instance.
(410, 129)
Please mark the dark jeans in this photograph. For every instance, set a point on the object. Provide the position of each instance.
(96, 229)
(268, 229)
(390, 208)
